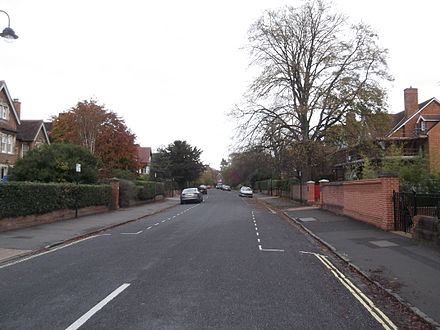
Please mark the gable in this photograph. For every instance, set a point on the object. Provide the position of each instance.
(431, 106)
(29, 130)
(5, 92)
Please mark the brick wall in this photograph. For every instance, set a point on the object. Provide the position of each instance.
(370, 200)
(295, 192)
(34, 220)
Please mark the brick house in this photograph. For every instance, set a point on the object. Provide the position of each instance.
(16, 136)
(144, 159)
(415, 130)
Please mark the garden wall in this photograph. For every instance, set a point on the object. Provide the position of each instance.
(369, 200)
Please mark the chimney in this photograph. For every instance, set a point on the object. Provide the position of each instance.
(411, 101)
(17, 106)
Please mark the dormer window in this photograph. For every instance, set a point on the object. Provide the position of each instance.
(4, 111)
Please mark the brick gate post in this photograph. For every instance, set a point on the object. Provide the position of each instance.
(115, 193)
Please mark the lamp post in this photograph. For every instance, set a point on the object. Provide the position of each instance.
(8, 33)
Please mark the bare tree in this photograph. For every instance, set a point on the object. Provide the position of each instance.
(315, 68)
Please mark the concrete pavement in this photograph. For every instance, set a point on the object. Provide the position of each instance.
(24, 241)
(408, 269)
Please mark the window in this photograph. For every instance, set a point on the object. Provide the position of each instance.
(6, 144)
(4, 111)
(423, 126)
(24, 148)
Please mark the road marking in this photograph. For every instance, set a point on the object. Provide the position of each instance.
(46, 252)
(140, 231)
(271, 250)
(149, 227)
(258, 234)
(163, 220)
(356, 292)
(259, 241)
(256, 228)
(83, 319)
(156, 224)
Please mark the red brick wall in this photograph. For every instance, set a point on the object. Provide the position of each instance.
(370, 200)
(332, 196)
(34, 220)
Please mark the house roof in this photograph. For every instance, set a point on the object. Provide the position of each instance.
(29, 129)
(3, 87)
(144, 154)
(429, 118)
(403, 121)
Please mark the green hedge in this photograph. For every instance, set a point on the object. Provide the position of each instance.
(149, 189)
(26, 198)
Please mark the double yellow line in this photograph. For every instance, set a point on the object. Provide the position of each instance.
(358, 294)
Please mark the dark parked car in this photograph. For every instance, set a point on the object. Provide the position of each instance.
(191, 195)
(203, 189)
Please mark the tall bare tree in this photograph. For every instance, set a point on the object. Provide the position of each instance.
(315, 67)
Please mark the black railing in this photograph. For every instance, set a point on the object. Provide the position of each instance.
(407, 205)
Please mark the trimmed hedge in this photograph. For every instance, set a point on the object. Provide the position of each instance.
(26, 198)
(149, 190)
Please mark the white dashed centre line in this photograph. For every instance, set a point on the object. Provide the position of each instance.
(259, 241)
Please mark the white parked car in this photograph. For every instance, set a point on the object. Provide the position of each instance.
(246, 192)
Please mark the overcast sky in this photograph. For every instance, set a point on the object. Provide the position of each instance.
(173, 69)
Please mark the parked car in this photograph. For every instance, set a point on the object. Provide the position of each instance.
(226, 187)
(218, 186)
(203, 189)
(191, 195)
(246, 192)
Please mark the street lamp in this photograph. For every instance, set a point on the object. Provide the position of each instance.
(8, 33)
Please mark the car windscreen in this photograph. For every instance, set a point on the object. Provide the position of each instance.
(189, 191)
(246, 189)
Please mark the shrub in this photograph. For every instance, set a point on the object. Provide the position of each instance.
(127, 192)
(56, 163)
(26, 198)
(149, 190)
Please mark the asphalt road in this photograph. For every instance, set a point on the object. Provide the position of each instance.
(228, 263)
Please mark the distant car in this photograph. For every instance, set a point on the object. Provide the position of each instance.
(246, 192)
(191, 195)
(218, 186)
(226, 187)
(203, 189)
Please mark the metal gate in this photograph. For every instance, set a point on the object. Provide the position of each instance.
(407, 205)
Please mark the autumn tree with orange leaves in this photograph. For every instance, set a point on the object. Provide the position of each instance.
(101, 131)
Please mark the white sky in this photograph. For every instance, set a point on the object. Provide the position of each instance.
(173, 69)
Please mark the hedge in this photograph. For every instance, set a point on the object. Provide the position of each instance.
(26, 198)
(149, 189)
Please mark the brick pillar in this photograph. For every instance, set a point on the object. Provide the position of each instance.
(115, 192)
(310, 192)
(390, 183)
(322, 182)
